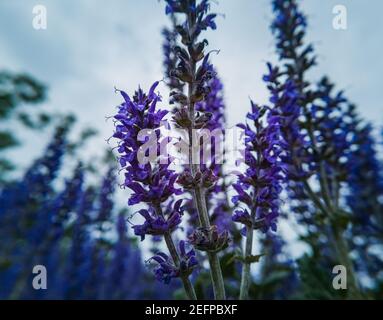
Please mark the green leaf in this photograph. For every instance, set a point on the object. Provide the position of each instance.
(253, 258)
(7, 140)
(41, 121)
(250, 258)
(228, 265)
(88, 133)
(6, 165)
(202, 284)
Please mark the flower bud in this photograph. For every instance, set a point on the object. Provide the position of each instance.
(209, 239)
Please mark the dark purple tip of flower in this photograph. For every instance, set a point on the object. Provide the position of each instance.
(188, 258)
(272, 75)
(156, 225)
(167, 270)
(242, 216)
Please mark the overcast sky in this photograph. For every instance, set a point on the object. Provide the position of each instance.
(91, 46)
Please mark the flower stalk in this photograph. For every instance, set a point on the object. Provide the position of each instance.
(197, 88)
(245, 275)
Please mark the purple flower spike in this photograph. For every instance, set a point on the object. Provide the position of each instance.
(150, 183)
(259, 188)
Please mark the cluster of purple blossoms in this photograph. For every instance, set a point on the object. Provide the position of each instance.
(260, 186)
(327, 119)
(200, 10)
(289, 29)
(157, 224)
(284, 98)
(166, 270)
(153, 183)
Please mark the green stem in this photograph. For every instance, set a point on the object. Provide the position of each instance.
(215, 267)
(340, 243)
(216, 276)
(188, 286)
(314, 198)
(246, 276)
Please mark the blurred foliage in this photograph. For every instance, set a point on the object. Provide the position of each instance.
(316, 281)
(76, 231)
(17, 91)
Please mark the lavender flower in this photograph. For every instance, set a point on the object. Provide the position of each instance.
(194, 70)
(259, 187)
(325, 121)
(285, 105)
(289, 29)
(106, 193)
(152, 183)
(149, 185)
